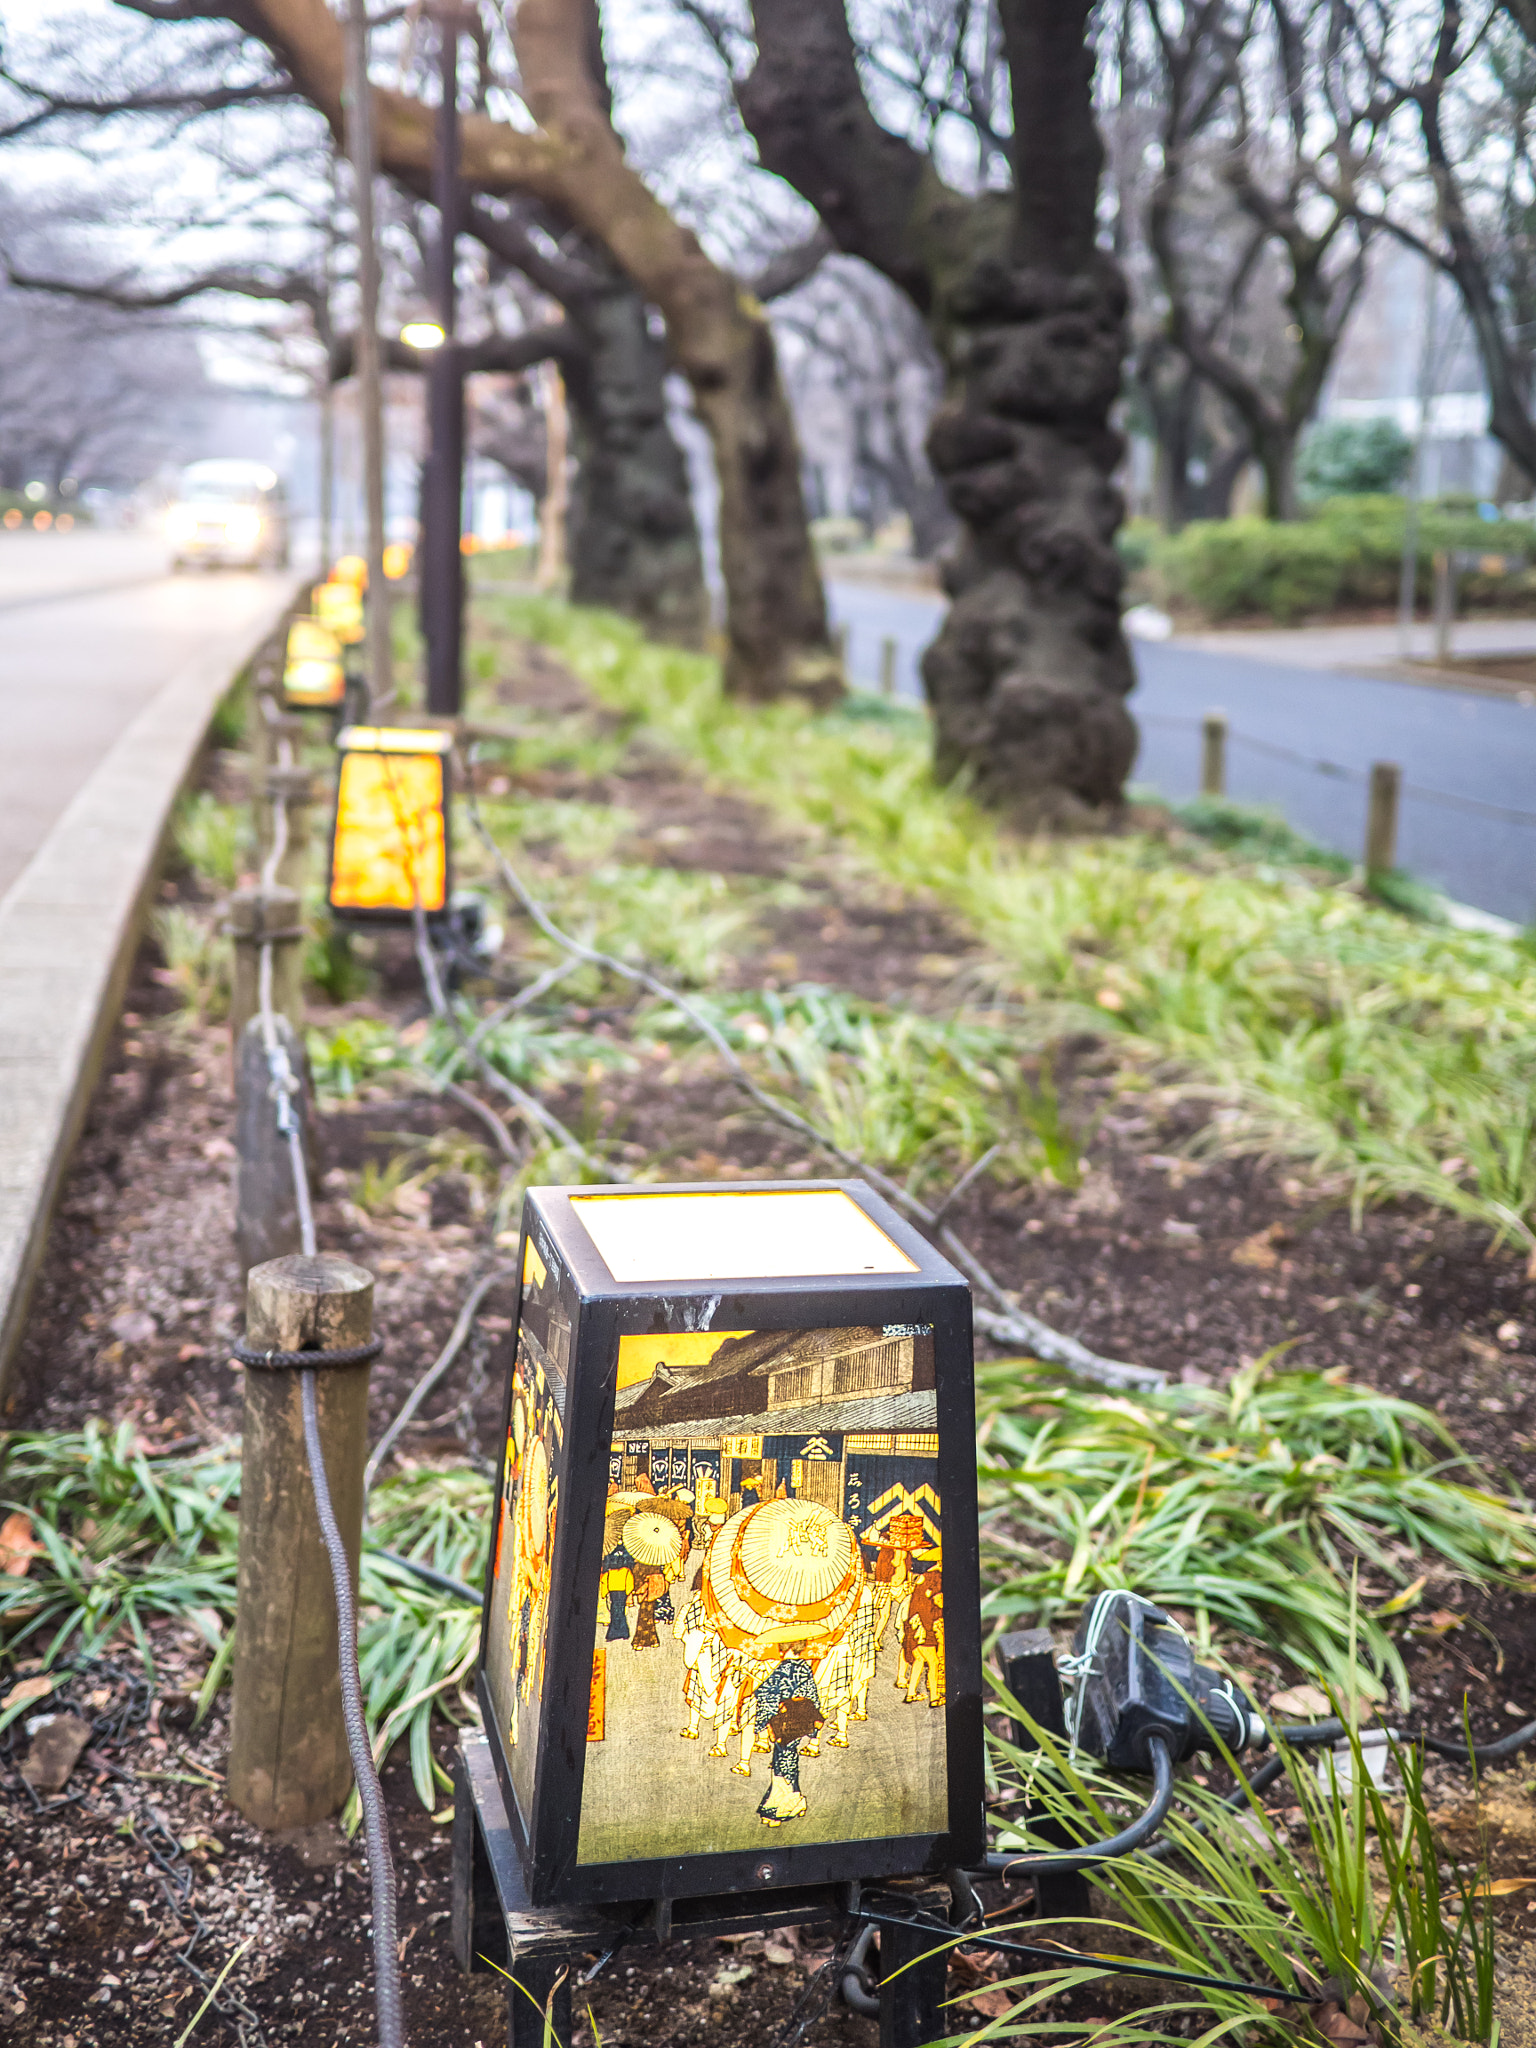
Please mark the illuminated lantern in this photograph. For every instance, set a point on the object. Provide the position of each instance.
(397, 560)
(312, 666)
(340, 607)
(736, 1542)
(389, 845)
(351, 569)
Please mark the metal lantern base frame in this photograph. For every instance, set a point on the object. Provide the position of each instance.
(542, 1951)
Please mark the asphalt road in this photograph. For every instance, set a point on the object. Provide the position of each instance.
(1449, 743)
(92, 625)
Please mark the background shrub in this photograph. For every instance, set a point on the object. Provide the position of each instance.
(1342, 458)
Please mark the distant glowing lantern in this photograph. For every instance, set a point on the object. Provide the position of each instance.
(351, 569)
(340, 606)
(737, 1525)
(397, 560)
(423, 334)
(389, 846)
(13, 518)
(312, 669)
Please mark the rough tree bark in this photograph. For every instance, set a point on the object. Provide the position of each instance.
(778, 639)
(1029, 674)
(634, 545)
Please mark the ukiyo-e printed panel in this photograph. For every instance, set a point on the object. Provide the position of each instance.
(527, 1513)
(768, 1660)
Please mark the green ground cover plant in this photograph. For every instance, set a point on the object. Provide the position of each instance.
(1396, 1056)
(125, 1539)
(1248, 1510)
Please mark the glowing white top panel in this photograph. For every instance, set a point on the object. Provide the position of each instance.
(807, 1234)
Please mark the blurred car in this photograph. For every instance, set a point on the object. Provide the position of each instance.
(230, 515)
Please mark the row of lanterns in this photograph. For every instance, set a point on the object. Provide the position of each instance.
(389, 842)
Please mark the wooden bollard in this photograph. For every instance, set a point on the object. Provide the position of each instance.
(267, 1222)
(1381, 817)
(254, 914)
(270, 726)
(888, 669)
(296, 788)
(288, 1761)
(1445, 603)
(1213, 754)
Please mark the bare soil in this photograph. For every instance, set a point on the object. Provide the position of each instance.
(139, 1869)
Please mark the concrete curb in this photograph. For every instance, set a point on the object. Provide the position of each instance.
(69, 927)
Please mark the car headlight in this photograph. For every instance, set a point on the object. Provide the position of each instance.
(180, 524)
(242, 528)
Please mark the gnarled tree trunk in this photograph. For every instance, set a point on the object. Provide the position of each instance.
(778, 640)
(634, 545)
(1029, 674)
(633, 541)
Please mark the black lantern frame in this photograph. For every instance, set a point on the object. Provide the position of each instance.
(572, 1313)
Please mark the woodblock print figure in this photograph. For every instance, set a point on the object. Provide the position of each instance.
(800, 1471)
(525, 1536)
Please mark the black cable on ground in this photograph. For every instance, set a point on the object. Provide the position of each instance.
(1119, 1966)
(1130, 1837)
(457, 1338)
(429, 1574)
(381, 1869)
(1246, 1788)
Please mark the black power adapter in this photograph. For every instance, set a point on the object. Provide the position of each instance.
(1137, 1682)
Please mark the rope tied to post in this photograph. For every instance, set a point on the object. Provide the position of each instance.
(306, 1361)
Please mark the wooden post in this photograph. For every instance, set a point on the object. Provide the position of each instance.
(253, 913)
(539, 2003)
(266, 1201)
(1445, 603)
(1029, 1671)
(888, 669)
(914, 1968)
(270, 726)
(296, 787)
(1213, 754)
(288, 1761)
(1381, 818)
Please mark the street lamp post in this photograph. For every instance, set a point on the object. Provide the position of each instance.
(359, 138)
(442, 565)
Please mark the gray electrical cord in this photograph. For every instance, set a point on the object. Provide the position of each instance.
(381, 1868)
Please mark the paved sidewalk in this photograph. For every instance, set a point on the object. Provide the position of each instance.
(1371, 650)
(70, 920)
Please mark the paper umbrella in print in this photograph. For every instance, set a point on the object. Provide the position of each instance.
(782, 1571)
(653, 1539)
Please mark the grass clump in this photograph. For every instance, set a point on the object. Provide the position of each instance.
(124, 1539)
(1356, 1913)
(197, 960)
(213, 839)
(1399, 1057)
(1248, 1509)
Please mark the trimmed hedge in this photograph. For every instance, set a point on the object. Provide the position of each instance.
(1347, 554)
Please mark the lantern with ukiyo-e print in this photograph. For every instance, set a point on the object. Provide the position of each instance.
(390, 842)
(731, 1634)
(313, 674)
(339, 606)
